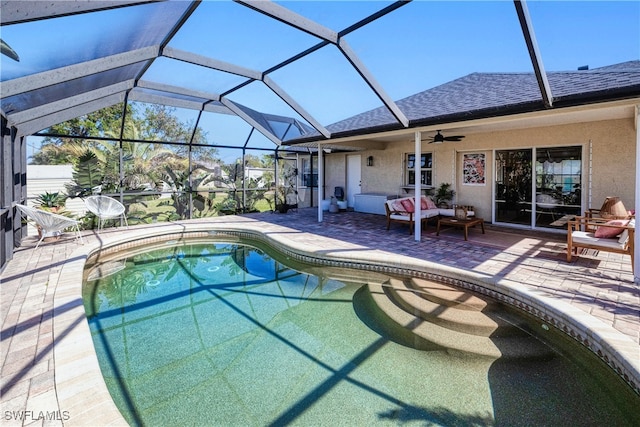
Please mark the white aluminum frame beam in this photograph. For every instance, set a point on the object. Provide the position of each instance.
(152, 98)
(178, 90)
(76, 71)
(248, 73)
(283, 14)
(299, 22)
(534, 51)
(14, 12)
(636, 243)
(29, 128)
(296, 107)
(218, 109)
(417, 205)
(81, 99)
(238, 111)
(208, 62)
(372, 82)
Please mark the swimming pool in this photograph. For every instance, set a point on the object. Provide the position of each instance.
(224, 333)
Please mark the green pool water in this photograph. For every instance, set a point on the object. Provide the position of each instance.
(223, 334)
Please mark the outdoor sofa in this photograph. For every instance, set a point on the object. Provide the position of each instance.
(402, 210)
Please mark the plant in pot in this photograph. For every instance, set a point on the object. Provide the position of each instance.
(444, 195)
(52, 202)
(333, 207)
(282, 198)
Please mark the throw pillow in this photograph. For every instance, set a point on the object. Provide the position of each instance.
(407, 205)
(430, 203)
(424, 205)
(608, 232)
(396, 205)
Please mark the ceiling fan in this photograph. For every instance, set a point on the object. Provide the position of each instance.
(439, 138)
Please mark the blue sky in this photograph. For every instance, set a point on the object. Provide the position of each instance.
(417, 47)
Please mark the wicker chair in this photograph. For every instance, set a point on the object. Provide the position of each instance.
(50, 223)
(105, 208)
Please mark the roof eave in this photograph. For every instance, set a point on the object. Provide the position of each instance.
(574, 100)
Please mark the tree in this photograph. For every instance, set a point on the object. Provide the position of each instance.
(61, 150)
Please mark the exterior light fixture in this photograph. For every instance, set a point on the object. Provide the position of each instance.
(370, 161)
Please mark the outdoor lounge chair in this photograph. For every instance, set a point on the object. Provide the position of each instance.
(50, 223)
(600, 234)
(105, 208)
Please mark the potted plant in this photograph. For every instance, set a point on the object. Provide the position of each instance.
(444, 195)
(52, 202)
(333, 207)
(282, 198)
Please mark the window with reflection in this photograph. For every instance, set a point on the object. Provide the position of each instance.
(423, 168)
(309, 171)
(558, 185)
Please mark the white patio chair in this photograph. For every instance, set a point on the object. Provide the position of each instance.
(50, 223)
(105, 208)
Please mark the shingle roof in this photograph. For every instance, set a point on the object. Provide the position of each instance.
(480, 95)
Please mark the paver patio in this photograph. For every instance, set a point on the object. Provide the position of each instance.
(40, 309)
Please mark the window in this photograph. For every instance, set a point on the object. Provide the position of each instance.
(558, 185)
(310, 172)
(425, 169)
(557, 175)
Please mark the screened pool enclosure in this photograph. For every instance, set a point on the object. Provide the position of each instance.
(184, 109)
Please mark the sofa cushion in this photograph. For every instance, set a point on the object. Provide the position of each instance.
(587, 238)
(400, 217)
(407, 205)
(429, 213)
(610, 232)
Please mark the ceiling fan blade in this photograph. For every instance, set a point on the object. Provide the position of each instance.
(439, 138)
(454, 138)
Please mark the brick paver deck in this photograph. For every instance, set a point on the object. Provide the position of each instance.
(49, 372)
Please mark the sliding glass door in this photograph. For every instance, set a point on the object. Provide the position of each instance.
(514, 181)
(558, 186)
(557, 173)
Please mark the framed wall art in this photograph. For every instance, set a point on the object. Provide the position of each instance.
(473, 169)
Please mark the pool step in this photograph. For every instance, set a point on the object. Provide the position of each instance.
(491, 337)
(449, 307)
(446, 295)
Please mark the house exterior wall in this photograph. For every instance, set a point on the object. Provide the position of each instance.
(611, 143)
(335, 173)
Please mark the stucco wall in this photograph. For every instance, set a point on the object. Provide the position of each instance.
(335, 173)
(612, 146)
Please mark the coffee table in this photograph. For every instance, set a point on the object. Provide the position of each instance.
(461, 223)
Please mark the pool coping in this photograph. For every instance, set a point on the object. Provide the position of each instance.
(80, 387)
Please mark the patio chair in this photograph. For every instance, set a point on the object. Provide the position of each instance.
(50, 223)
(105, 208)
